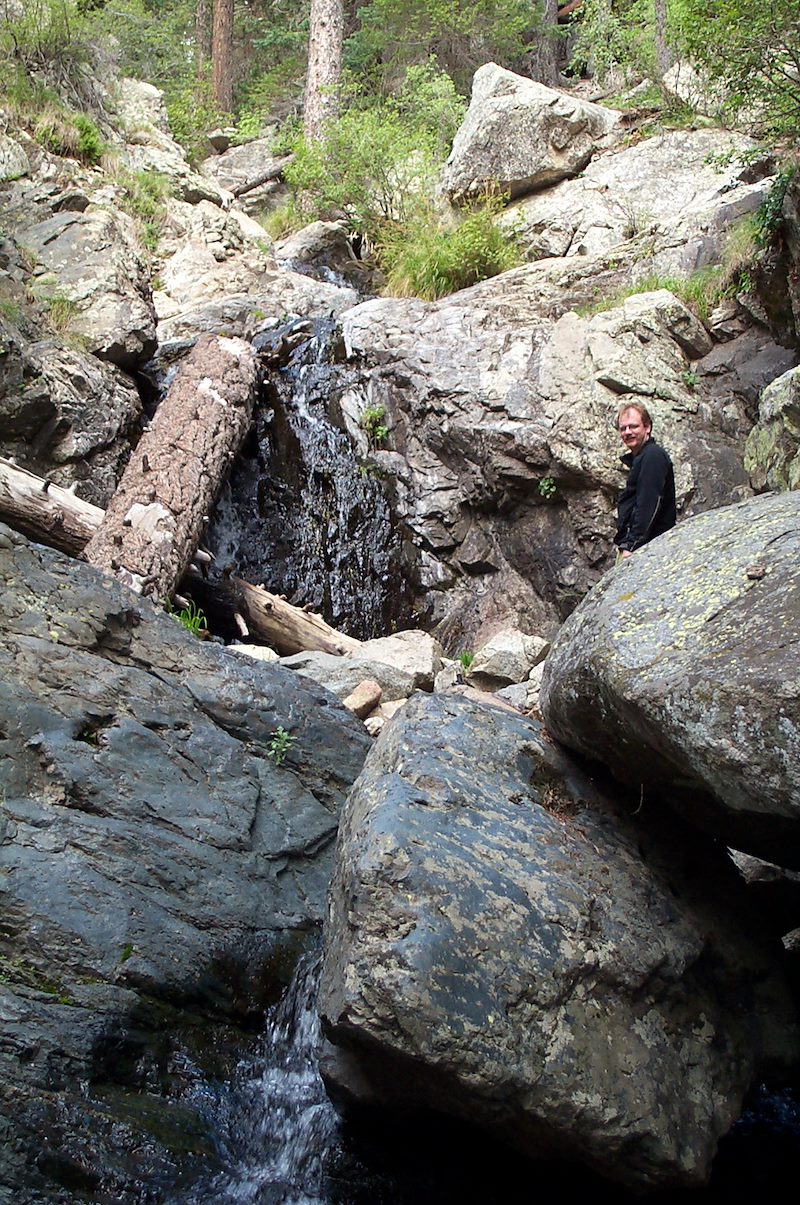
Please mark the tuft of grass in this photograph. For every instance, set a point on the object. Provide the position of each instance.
(10, 310)
(61, 311)
(143, 196)
(286, 219)
(421, 258)
(69, 135)
(192, 618)
(700, 292)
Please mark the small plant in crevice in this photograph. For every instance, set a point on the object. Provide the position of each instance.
(466, 658)
(61, 311)
(192, 618)
(280, 745)
(547, 488)
(372, 422)
(690, 377)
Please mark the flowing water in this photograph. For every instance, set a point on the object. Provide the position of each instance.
(275, 1124)
(282, 1143)
(302, 514)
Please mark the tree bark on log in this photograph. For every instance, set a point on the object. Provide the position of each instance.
(46, 512)
(154, 521)
(286, 628)
(56, 517)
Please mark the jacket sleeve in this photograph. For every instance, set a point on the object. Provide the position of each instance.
(649, 495)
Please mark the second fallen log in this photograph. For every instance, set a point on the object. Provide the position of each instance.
(154, 521)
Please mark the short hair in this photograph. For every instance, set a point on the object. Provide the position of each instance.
(641, 410)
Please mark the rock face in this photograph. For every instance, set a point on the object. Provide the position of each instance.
(621, 196)
(680, 671)
(90, 258)
(609, 1037)
(159, 869)
(519, 135)
(505, 453)
(772, 451)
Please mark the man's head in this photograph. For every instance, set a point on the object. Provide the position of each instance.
(634, 425)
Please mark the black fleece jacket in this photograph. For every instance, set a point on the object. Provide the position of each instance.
(646, 506)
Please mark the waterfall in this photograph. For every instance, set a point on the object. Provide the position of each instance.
(301, 513)
(275, 1124)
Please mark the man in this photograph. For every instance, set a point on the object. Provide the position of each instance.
(646, 506)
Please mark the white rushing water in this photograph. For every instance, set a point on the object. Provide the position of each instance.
(276, 1125)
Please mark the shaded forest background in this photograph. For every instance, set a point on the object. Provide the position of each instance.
(363, 99)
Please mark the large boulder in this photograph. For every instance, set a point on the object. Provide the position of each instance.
(519, 136)
(618, 197)
(88, 260)
(507, 945)
(505, 456)
(64, 414)
(162, 867)
(218, 273)
(772, 451)
(680, 671)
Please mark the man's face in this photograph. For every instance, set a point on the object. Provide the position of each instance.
(633, 431)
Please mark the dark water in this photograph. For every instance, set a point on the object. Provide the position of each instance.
(303, 515)
(282, 1143)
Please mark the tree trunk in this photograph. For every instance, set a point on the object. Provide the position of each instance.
(546, 56)
(157, 514)
(56, 517)
(202, 39)
(663, 51)
(222, 54)
(324, 65)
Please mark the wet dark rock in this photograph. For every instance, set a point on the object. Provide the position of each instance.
(639, 1004)
(161, 871)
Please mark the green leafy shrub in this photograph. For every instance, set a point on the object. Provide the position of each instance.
(547, 488)
(368, 168)
(91, 146)
(192, 112)
(770, 213)
(465, 659)
(372, 422)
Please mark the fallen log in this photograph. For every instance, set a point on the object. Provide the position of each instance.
(44, 511)
(275, 172)
(56, 517)
(286, 628)
(155, 519)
